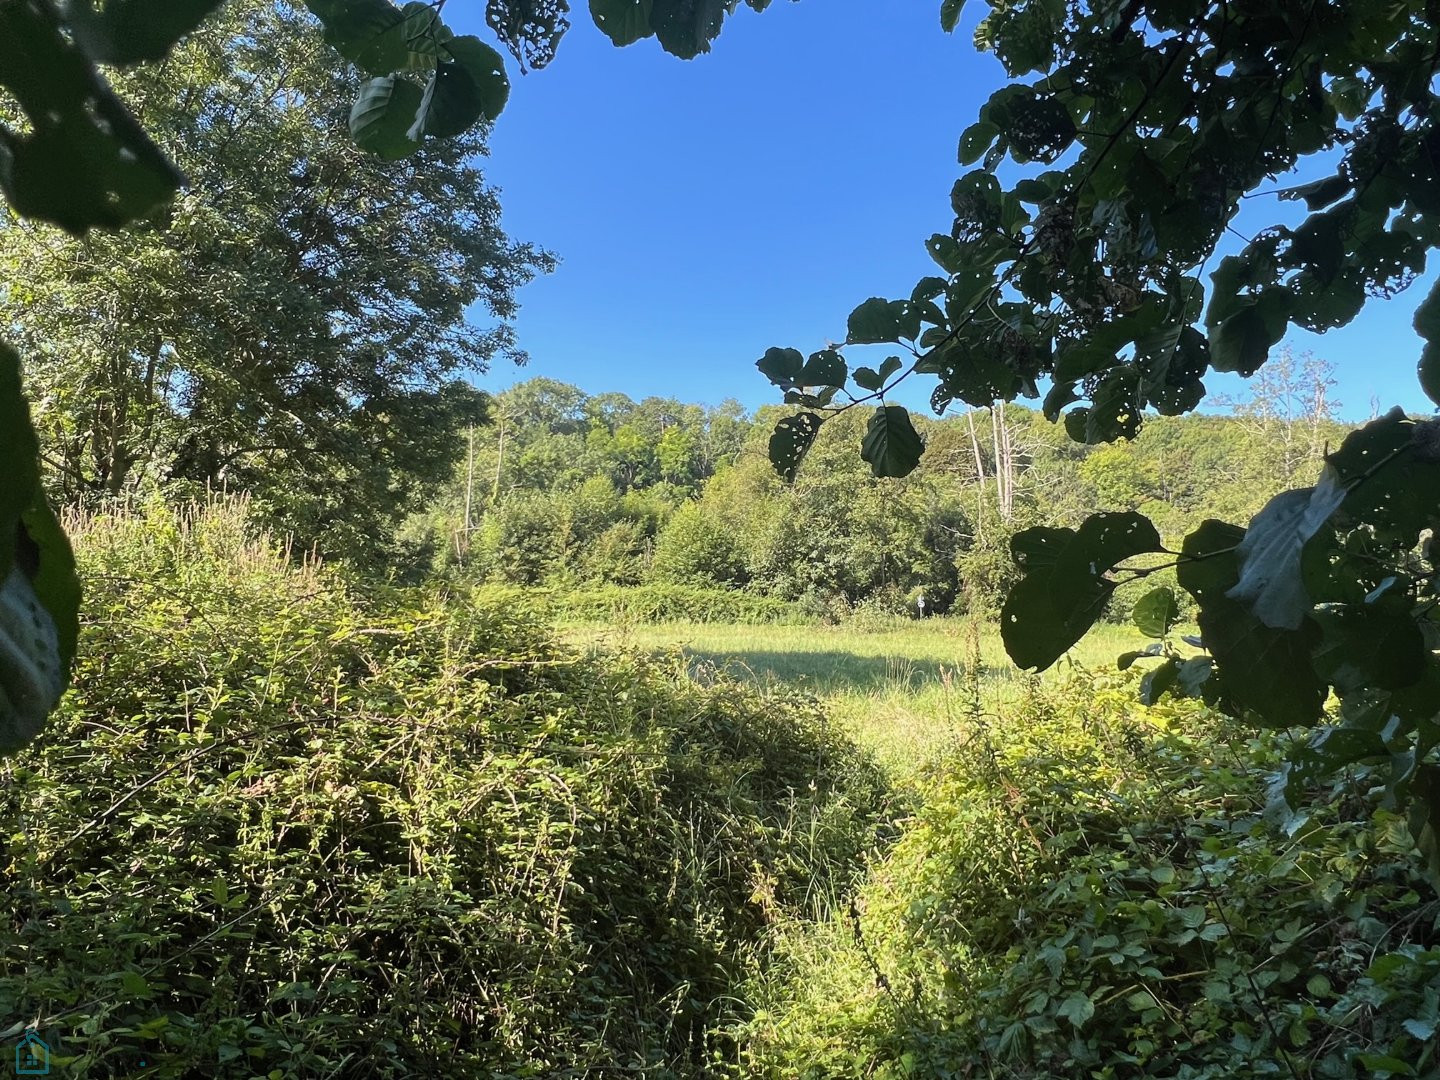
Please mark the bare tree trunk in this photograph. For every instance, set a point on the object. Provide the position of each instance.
(979, 472)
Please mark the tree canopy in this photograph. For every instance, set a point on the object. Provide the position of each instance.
(295, 324)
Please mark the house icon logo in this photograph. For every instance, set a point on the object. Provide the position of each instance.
(32, 1056)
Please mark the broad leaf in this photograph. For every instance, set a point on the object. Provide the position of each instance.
(824, 368)
(1156, 612)
(383, 114)
(891, 445)
(1065, 585)
(624, 22)
(84, 162)
(1270, 581)
(127, 32)
(791, 441)
(878, 320)
(783, 367)
(471, 84)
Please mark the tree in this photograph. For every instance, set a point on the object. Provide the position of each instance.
(1144, 127)
(296, 324)
(79, 159)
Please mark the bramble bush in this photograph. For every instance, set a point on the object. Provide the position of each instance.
(276, 829)
(1096, 890)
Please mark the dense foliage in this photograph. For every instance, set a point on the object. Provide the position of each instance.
(1094, 890)
(569, 490)
(294, 332)
(276, 826)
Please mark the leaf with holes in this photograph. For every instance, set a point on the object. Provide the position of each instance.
(791, 441)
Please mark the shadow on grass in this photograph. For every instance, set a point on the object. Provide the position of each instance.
(832, 671)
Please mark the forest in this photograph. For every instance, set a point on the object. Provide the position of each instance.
(359, 722)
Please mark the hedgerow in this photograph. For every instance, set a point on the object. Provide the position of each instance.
(277, 830)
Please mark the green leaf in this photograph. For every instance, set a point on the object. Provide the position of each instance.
(1077, 1008)
(624, 22)
(1158, 680)
(1425, 816)
(891, 445)
(1156, 612)
(471, 84)
(950, 14)
(685, 28)
(1261, 669)
(824, 368)
(39, 594)
(368, 33)
(783, 367)
(128, 32)
(975, 140)
(1243, 341)
(1269, 557)
(383, 113)
(1065, 588)
(867, 379)
(878, 320)
(791, 441)
(84, 162)
(1427, 325)
(1365, 648)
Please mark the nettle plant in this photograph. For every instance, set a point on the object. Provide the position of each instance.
(1137, 128)
(82, 161)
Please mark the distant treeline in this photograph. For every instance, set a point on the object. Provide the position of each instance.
(566, 489)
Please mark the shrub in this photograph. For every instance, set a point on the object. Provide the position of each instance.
(277, 830)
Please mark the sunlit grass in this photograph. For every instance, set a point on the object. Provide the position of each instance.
(905, 688)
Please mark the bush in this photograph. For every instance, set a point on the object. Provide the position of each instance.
(278, 830)
(1095, 892)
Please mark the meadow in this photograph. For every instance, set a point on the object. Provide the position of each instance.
(903, 688)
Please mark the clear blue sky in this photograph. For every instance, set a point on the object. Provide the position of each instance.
(706, 210)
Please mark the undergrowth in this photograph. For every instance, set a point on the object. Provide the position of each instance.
(1093, 890)
(280, 830)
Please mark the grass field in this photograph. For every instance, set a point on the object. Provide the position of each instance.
(903, 687)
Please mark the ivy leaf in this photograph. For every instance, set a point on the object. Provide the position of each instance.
(1156, 612)
(791, 441)
(824, 368)
(891, 445)
(1065, 588)
(783, 367)
(878, 320)
(129, 32)
(383, 114)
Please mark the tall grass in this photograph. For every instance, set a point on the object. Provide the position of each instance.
(901, 686)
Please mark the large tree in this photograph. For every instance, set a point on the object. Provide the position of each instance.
(295, 324)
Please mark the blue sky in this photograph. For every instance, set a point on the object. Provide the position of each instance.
(704, 211)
